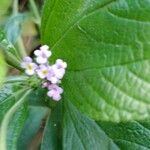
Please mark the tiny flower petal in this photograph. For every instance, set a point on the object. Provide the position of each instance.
(37, 52)
(61, 64)
(44, 47)
(29, 72)
(26, 61)
(42, 71)
(41, 60)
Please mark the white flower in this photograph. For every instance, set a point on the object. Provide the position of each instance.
(28, 65)
(43, 54)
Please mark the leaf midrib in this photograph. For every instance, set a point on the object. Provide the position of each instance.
(84, 15)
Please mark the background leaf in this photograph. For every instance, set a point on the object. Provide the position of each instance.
(13, 26)
(106, 46)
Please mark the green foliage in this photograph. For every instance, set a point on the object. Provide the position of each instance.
(82, 133)
(129, 135)
(106, 46)
(105, 105)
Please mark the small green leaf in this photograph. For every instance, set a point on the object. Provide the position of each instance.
(9, 94)
(129, 135)
(106, 44)
(32, 125)
(82, 133)
(52, 138)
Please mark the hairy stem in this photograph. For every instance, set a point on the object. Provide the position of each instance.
(35, 12)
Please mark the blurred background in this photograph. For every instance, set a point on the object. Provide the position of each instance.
(20, 21)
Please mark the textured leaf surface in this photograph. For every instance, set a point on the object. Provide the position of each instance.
(82, 133)
(106, 45)
(130, 135)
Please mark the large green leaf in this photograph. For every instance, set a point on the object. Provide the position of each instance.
(106, 45)
(130, 135)
(82, 133)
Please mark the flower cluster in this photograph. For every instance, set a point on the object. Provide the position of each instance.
(51, 75)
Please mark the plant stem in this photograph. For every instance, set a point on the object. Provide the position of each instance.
(15, 7)
(8, 117)
(21, 49)
(35, 12)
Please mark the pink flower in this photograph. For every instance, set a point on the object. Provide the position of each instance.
(55, 92)
(29, 66)
(43, 54)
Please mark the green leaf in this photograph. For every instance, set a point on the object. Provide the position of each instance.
(106, 46)
(15, 127)
(129, 135)
(52, 138)
(32, 125)
(9, 94)
(82, 133)
(2, 69)
(38, 97)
